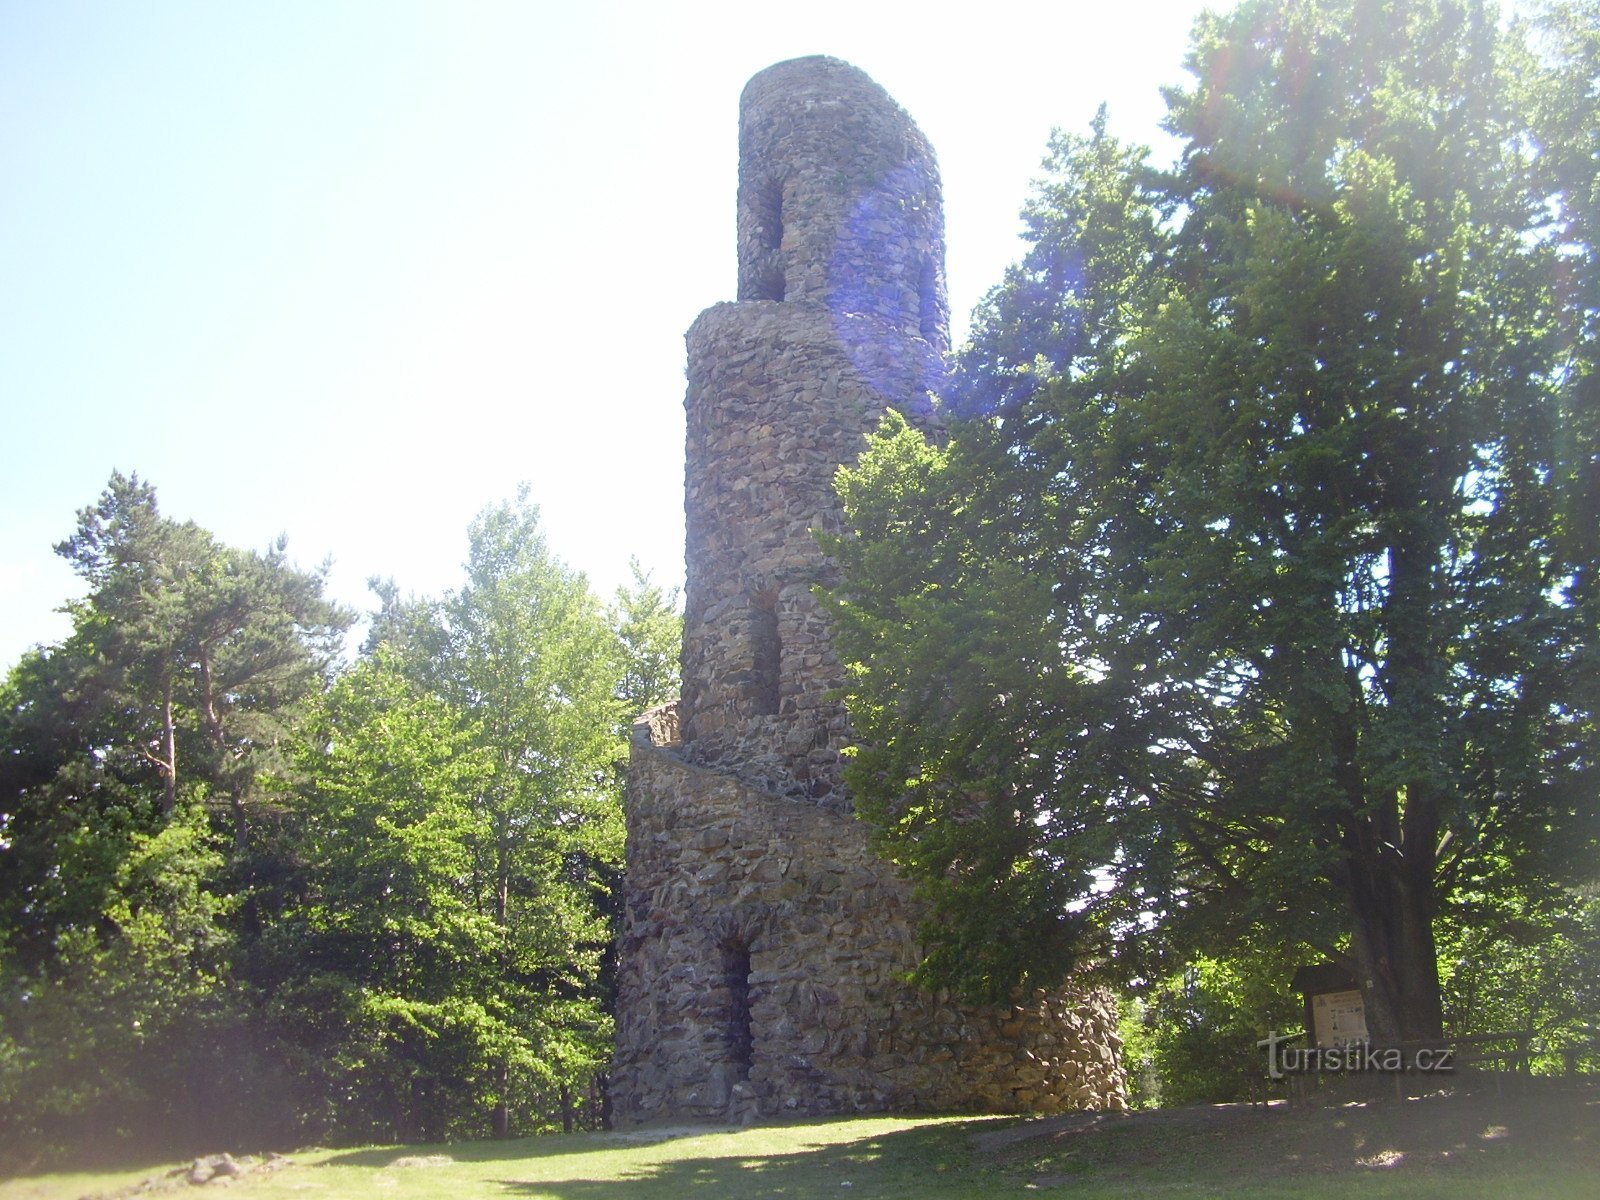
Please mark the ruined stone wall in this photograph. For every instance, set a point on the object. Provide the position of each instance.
(779, 396)
(842, 314)
(840, 200)
(763, 944)
(762, 956)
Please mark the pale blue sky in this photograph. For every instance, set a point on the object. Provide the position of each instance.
(351, 271)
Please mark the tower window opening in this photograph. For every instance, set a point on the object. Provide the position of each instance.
(767, 208)
(737, 1032)
(928, 300)
(769, 213)
(766, 655)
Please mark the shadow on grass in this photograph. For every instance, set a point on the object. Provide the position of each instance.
(1547, 1138)
(556, 1145)
(1529, 1128)
(415, 1154)
(928, 1161)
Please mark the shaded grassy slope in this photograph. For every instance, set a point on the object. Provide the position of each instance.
(1541, 1145)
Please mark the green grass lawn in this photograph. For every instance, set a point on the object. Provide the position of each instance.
(1493, 1147)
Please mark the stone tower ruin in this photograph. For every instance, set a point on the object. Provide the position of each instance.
(763, 945)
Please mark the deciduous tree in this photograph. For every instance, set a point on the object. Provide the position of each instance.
(649, 623)
(1252, 616)
(523, 666)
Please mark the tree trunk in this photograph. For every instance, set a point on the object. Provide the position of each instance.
(241, 823)
(169, 738)
(219, 737)
(1393, 847)
(502, 911)
(502, 1108)
(1397, 961)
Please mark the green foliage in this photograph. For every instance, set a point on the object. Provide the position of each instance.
(1191, 1038)
(458, 826)
(1524, 958)
(124, 754)
(531, 658)
(649, 624)
(231, 897)
(1094, 227)
(1565, 101)
(388, 961)
(204, 649)
(89, 1034)
(1243, 607)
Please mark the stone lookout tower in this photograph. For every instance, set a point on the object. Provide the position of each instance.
(763, 944)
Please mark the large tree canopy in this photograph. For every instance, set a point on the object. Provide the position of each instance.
(441, 963)
(1242, 600)
(124, 752)
(241, 891)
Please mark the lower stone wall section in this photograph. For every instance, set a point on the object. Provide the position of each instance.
(761, 965)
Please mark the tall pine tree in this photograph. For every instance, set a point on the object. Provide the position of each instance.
(133, 758)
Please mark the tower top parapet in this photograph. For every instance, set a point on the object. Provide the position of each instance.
(839, 199)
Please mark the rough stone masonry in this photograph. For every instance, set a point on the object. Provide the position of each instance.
(763, 945)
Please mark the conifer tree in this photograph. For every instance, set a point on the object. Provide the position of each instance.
(126, 752)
